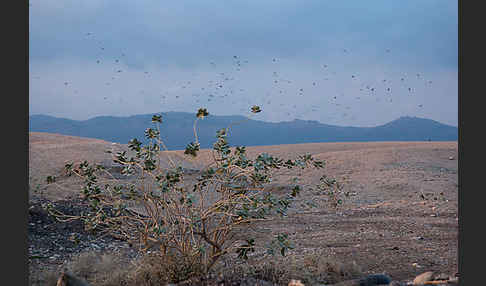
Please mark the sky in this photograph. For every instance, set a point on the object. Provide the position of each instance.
(346, 63)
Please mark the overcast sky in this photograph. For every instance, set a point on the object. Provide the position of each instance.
(348, 63)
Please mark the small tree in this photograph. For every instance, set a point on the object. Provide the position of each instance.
(197, 223)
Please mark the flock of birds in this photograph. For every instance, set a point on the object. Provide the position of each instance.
(226, 88)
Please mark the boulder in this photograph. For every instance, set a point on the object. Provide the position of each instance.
(422, 278)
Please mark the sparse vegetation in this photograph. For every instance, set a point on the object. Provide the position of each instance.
(110, 269)
(187, 224)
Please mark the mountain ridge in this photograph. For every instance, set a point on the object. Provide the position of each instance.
(177, 129)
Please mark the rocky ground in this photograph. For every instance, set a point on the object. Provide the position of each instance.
(401, 218)
(55, 241)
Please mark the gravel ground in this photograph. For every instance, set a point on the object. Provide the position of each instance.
(402, 217)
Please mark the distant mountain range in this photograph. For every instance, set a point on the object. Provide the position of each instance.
(177, 130)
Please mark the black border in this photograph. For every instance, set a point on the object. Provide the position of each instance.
(470, 208)
(14, 137)
(460, 125)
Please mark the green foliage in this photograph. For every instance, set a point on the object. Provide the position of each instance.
(50, 179)
(192, 149)
(202, 112)
(243, 250)
(333, 189)
(200, 221)
(255, 109)
(157, 118)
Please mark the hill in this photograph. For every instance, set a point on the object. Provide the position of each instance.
(177, 130)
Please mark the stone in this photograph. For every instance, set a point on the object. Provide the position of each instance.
(422, 278)
(375, 279)
(295, 283)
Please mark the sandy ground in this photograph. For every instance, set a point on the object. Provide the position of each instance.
(401, 217)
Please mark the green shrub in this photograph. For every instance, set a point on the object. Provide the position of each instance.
(196, 223)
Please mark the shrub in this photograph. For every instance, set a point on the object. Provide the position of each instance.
(196, 223)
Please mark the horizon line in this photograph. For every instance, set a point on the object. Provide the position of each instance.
(276, 122)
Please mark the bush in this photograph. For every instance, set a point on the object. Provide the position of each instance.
(196, 223)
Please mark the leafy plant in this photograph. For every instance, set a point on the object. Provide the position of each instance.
(199, 222)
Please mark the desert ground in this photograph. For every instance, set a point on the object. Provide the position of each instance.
(401, 217)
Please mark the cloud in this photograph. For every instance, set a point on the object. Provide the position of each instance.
(192, 31)
(160, 47)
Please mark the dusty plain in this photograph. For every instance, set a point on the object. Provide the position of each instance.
(401, 217)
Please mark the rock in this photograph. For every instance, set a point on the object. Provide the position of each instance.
(68, 279)
(422, 278)
(295, 283)
(375, 279)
